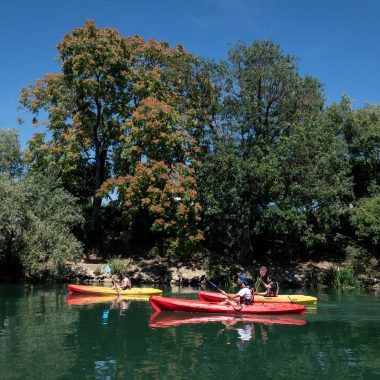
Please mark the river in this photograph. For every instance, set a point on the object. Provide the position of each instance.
(46, 335)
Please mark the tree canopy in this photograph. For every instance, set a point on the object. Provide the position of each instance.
(240, 159)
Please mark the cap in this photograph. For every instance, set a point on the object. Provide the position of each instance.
(243, 278)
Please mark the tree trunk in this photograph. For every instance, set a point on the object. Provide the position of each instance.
(246, 248)
(99, 179)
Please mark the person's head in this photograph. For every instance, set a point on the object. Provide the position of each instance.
(262, 271)
(243, 279)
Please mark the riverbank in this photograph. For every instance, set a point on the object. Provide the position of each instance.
(162, 271)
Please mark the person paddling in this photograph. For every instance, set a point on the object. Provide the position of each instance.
(243, 296)
(124, 283)
(271, 287)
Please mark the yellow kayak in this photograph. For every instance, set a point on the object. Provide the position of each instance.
(282, 298)
(103, 290)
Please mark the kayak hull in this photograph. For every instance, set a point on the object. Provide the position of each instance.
(103, 290)
(197, 306)
(164, 319)
(283, 298)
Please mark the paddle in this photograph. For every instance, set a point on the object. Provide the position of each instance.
(220, 290)
(108, 271)
(263, 272)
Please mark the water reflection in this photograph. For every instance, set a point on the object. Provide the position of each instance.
(119, 303)
(79, 299)
(170, 319)
(244, 326)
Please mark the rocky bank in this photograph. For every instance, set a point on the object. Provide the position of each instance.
(160, 271)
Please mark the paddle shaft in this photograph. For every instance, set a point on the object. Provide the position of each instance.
(108, 270)
(220, 290)
(263, 272)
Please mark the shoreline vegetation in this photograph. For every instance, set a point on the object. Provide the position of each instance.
(149, 155)
(308, 275)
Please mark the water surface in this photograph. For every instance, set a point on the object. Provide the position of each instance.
(44, 335)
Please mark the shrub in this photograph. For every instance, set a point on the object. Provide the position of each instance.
(340, 278)
(119, 266)
(313, 279)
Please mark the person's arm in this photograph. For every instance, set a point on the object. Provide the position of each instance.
(267, 286)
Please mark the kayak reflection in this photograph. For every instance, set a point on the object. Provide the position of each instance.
(247, 328)
(167, 319)
(79, 299)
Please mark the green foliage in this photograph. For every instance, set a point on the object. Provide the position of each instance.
(119, 266)
(10, 152)
(277, 174)
(221, 269)
(364, 217)
(36, 220)
(97, 271)
(363, 264)
(361, 130)
(240, 157)
(313, 278)
(340, 278)
(117, 104)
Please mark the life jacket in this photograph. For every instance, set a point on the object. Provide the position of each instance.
(244, 301)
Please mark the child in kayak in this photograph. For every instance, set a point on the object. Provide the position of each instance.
(243, 296)
(271, 287)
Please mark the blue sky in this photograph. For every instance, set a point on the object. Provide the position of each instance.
(336, 41)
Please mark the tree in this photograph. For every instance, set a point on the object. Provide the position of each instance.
(93, 107)
(36, 220)
(10, 152)
(86, 104)
(312, 189)
(365, 219)
(361, 131)
(263, 99)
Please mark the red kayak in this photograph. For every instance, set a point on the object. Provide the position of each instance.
(163, 319)
(196, 306)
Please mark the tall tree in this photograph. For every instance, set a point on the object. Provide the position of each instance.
(93, 105)
(264, 101)
(86, 104)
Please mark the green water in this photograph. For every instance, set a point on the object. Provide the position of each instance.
(43, 337)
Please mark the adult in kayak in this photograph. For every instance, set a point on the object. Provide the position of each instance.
(124, 283)
(271, 287)
(243, 297)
